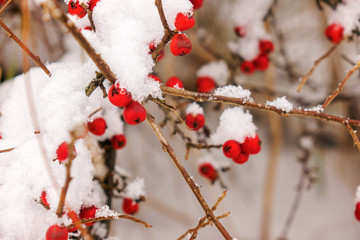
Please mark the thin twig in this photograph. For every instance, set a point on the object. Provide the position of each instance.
(6, 150)
(341, 85)
(59, 14)
(120, 216)
(5, 6)
(353, 135)
(201, 97)
(25, 48)
(93, 113)
(316, 63)
(72, 155)
(195, 189)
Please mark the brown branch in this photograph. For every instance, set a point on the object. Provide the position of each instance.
(6, 150)
(59, 14)
(195, 189)
(341, 85)
(316, 63)
(5, 6)
(25, 48)
(201, 97)
(353, 135)
(93, 113)
(72, 155)
(120, 216)
(168, 33)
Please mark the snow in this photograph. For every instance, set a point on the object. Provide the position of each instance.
(135, 189)
(347, 15)
(217, 70)
(194, 108)
(318, 109)
(105, 211)
(357, 194)
(234, 91)
(234, 124)
(281, 103)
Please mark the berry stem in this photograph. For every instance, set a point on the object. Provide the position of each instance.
(167, 148)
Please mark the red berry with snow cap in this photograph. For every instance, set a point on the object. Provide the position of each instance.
(205, 84)
(184, 21)
(97, 126)
(334, 32)
(196, 3)
(266, 46)
(92, 4)
(174, 82)
(55, 232)
(251, 145)
(261, 62)
(119, 96)
(195, 121)
(155, 78)
(247, 67)
(231, 149)
(88, 213)
(134, 113)
(357, 211)
(62, 152)
(74, 8)
(118, 141)
(240, 31)
(129, 206)
(242, 158)
(180, 45)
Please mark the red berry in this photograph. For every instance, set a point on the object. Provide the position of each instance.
(174, 81)
(92, 4)
(129, 206)
(180, 45)
(2, 2)
(184, 22)
(75, 218)
(88, 213)
(74, 8)
(195, 121)
(134, 113)
(357, 211)
(97, 126)
(334, 32)
(240, 31)
(261, 62)
(0, 136)
(197, 3)
(231, 149)
(247, 67)
(62, 152)
(119, 96)
(43, 199)
(206, 169)
(55, 232)
(118, 141)
(156, 78)
(205, 84)
(242, 158)
(266, 46)
(251, 145)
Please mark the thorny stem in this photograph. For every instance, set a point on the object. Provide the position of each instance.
(25, 48)
(120, 216)
(201, 97)
(331, 97)
(316, 63)
(59, 14)
(195, 189)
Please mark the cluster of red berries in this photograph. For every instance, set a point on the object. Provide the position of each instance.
(195, 121)
(239, 153)
(76, 9)
(134, 113)
(261, 62)
(334, 32)
(129, 206)
(207, 170)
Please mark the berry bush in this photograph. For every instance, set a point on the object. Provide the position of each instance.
(179, 119)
